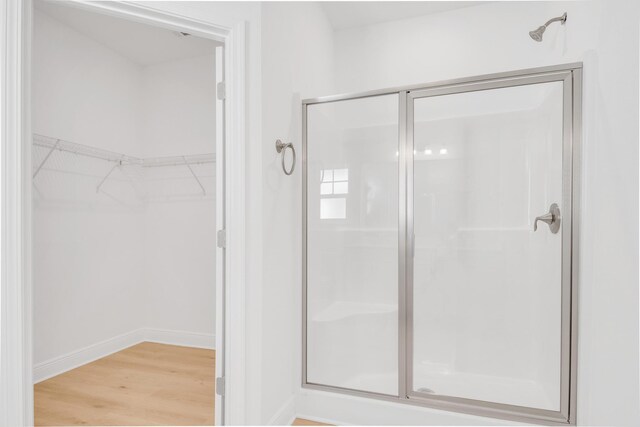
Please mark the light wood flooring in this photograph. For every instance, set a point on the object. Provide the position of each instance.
(147, 384)
(302, 422)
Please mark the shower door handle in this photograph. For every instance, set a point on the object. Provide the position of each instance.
(551, 218)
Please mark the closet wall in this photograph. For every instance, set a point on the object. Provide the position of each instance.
(138, 255)
(88, 279)
(178, 118)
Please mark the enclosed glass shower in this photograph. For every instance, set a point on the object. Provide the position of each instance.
(440, 244)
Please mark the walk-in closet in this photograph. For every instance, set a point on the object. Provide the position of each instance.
(124, 221)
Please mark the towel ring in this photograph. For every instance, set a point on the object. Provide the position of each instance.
(281, 147)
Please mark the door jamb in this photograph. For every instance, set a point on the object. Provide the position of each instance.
(16, 311)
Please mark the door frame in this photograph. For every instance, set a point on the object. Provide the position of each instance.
(571, 76)
(16, 288)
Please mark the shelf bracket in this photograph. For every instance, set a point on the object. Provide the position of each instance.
(108, 174)
(46, 158)
(204, 192)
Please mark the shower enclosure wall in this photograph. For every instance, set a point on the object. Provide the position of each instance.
(439, 244)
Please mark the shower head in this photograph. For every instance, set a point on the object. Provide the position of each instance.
(538, 32)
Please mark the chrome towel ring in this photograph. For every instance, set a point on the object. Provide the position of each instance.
(281, 147)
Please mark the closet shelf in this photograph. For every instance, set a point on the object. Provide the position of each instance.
(119, 160)
(197, 159)
(111, 156)
(81, 150)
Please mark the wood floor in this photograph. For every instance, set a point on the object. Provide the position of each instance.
(147, 384)
(302, 422)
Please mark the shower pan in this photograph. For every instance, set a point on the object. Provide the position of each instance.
(439, 244)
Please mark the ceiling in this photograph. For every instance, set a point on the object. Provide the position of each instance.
(148, 45)
(140, 43)
(350, 14)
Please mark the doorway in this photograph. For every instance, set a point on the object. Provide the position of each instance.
(128, 201)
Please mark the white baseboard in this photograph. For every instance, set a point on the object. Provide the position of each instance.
(72, 360)
(285, 415)
(342, 409)
(60, 364)
(183, 338)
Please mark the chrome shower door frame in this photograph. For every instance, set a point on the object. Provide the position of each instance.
(571, 77)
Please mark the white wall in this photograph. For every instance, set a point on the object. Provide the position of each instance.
(140, 253)
(179, 98)
(493, 38)
(178, 118)
(463, 42)
(180, 269)
(297, 63)
(100, 87)
(88, 280)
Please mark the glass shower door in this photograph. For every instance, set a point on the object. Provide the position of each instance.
(486, 281)
(351, 223)
(439, 244)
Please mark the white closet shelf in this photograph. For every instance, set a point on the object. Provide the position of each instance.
(111, 156)
(196, 159)
(119, 159)
(81, 150)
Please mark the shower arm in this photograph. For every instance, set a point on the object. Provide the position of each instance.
(562, 20)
